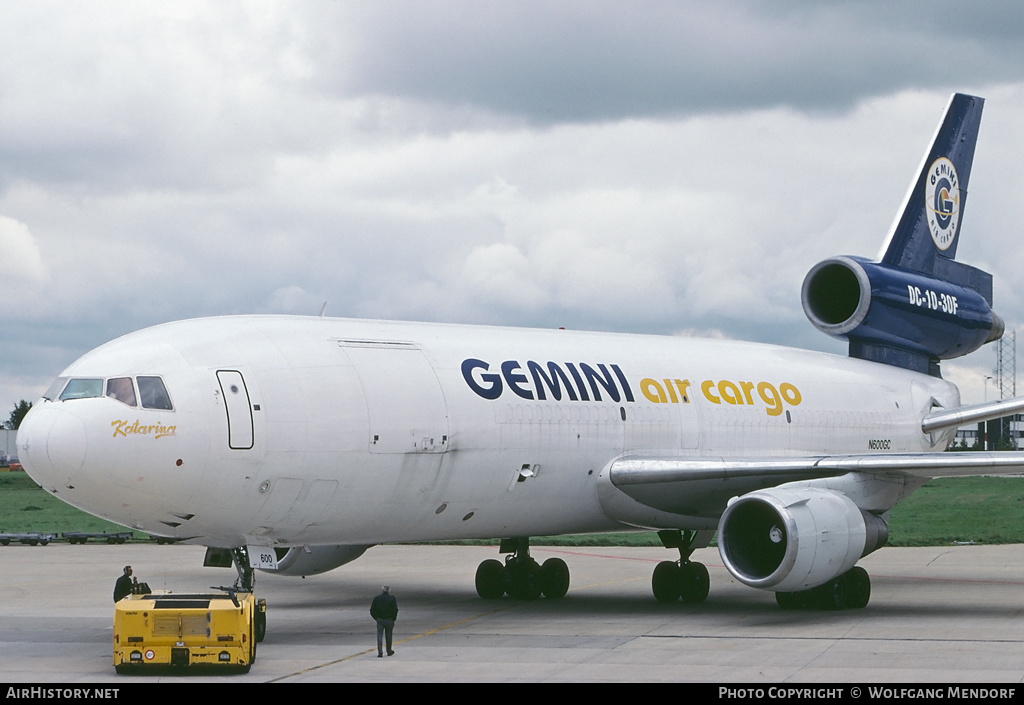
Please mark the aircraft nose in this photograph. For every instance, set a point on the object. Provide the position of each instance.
(52, 444)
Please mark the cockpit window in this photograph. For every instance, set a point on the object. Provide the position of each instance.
(54, 390)
(153, 393)
(82, 389)
(122, 389)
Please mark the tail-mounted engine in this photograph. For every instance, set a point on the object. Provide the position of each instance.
(901, 317)
(788, 540)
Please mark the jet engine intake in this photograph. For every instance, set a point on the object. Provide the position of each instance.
(898, 316)
(788, 540)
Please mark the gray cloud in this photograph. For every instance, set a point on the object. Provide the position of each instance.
(583, 61)
(578, 164)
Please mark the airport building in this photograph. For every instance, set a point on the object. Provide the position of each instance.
(1004, 433)
(8, 446)
(1000, 434)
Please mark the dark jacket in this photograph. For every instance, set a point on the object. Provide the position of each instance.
(384, 606)
(122, 587)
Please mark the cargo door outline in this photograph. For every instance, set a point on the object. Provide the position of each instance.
(238, 409)
(405, 404)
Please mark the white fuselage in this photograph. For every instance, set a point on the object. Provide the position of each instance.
(299, 430)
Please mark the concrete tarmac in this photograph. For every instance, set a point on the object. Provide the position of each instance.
(951, 615)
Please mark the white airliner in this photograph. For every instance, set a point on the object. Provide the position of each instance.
(293, 444)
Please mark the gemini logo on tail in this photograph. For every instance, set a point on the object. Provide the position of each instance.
(942, 202)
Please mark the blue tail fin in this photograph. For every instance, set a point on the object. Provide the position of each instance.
(925, 235)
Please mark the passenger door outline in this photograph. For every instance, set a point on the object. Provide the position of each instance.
(238, 408)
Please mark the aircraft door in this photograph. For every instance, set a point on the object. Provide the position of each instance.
(407, 410)
(238, 408)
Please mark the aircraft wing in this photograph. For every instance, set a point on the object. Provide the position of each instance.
(701, 488)
(744, 474)
(647, 470)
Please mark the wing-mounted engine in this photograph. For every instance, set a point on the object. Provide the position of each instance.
(795, 539)
(311, 560)
(901, 317)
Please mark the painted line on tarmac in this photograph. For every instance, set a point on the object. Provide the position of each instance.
(400, 641)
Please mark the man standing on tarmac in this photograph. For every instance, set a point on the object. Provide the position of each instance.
(384, 609)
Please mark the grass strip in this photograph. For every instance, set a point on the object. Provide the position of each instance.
(988, 510)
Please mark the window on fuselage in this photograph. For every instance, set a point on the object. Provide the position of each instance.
(55, 388)
(81, 388)
(122, 389)
(153, 393)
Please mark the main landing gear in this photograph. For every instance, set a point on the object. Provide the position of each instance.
(521, 577)
(684, 578)
(851, 590)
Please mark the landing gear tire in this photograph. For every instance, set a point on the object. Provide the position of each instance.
(689, 581)
(789, 600)
(832, 595)
(520, 576)
(554, 578)
(859, 585)
(851, 590)
(523, 579)
(665, 581)
(490, 580)
(694, 582)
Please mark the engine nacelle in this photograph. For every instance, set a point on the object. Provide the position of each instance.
(795, 539)
(310, 560)
(899, 316)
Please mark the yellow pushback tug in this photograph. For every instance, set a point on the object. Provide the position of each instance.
(171, 630)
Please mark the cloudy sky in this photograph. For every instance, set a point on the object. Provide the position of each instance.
(664, 167)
